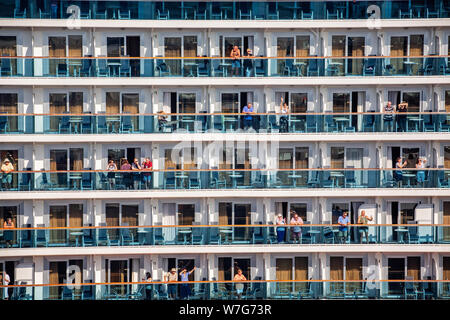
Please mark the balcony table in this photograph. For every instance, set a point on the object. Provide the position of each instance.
(336, 175)
(185, 232)
(233, 121)
(417, 122)
(193, 66)
(300, 65)
(75, 122)
(294, 178)
(314, 234)
(409, 65)
(401, 233)
(76, 64)
(73, 178)
(226, 233)
(235, 176)
(188, 123)
(180, 177)
(408, 177)
(114, 66)
(76, 234)
(294, 121)
(340, 121)
(225, 66)
(113, 121)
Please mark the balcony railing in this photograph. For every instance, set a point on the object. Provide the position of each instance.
(224, 67)
(165, 123)
(224, 235)
(122, 180)
(229, 10)
(228, 290)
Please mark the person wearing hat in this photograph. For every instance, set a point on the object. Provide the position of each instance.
(7, 168)
(280, 230)
(172, 288)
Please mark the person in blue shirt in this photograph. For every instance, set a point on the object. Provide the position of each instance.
(248, 118)
(185, 290)
(343, 222)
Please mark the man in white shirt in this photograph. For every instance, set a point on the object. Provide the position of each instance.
(6, 281)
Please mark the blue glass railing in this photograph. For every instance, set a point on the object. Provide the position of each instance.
(199, 235)
(229, 10)
(225, 179)
(331, 123)
(228, 290)
(133, 67)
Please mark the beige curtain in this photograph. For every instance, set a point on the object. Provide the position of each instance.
(56, 48)
(186, 214)
(416, 45)
(225, 213)
(446, 220)
(119, 273)
(9, 104)
(224, 269)
(284, 272)
(58, 218)
(285, 48)
(75, 218)
(75, 50)
(76, 102)
(130, 104)
(337, 157)
(76, 159)
(54, 279)
(353, 271)
(57, 105)
(301, 272)
(358, 44)
(413, 269)
(299, 102)
(341, 102)
(446, 272)
(112, 102)
(338, 50)
(168, 162)
(130, 216)
(337, 272)
(399, 47)
(172, 48)
(112, 220)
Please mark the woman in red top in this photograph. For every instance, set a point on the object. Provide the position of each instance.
(147, 176)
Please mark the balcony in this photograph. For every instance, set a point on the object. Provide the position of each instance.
(218, 179)
(250, 290)
(224, 235)
(230, 10)
(182, 123)
(224, 67)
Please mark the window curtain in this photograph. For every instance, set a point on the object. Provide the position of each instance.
(8, 47)
(299, 102)
(301, 272)
(186, 214)
(54, 279)
(338, 50)
(413, 269)
(446, 220)
(284, 272)
(172, 48)
(57, 105)
(399, 47)
(75, 217)
(356, 49)
(112, 220)
(168, 162)
(189, 158)
(9, 104)
(130, 217)
(341, 102)
(56, 48)
(186, 103)
(337, 273)
(75, 50)
(76, 102)
(285, 48)
(225, 213)
(130, 104)
(58, 218)
(337, 157)
(76, 159)
(169, 218)
(353, 271)
(416, 45)
(113, 102)
(225, 270)
(446, 272)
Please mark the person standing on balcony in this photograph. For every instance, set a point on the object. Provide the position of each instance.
(172, 288)
(296, 230)
(6, 281)
(8, 234)
(420, 175)
(148, 287)
(147, 176)
(343, 222)
(248, 118)
(284, 109)
(388, 117)
(239, 276)
(235, 64)
(402, 108)
(248, 63)
(126, 175)
(111, 174)
(136, 167)
(185, 290)
(281, 230)
(7, 169)
(364, 220)
(398, 174)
